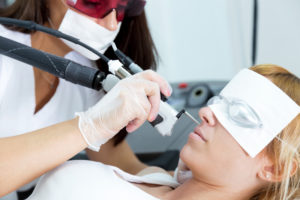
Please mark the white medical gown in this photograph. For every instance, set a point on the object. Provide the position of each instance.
(80, 180)
(17, 94)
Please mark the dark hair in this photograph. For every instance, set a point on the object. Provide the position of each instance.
(34, 10)
(134, 38)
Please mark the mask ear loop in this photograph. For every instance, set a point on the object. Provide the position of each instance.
(51, 23)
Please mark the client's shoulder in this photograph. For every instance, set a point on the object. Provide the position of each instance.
(80, 164)
(73, 180)
(77, 180)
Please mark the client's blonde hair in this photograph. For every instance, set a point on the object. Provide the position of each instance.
(285, 153)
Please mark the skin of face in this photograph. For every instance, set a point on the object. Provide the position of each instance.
(216, 159)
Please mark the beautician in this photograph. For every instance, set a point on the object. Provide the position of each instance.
(31, 99)
(131, 102)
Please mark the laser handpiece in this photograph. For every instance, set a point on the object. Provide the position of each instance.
(127, 62)
(134, 68)
(188, 115)
(167, 115)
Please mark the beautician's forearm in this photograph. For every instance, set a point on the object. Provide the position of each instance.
(26, 157)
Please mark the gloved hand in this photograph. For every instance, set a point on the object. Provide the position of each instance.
(182, 172)
(130, 103)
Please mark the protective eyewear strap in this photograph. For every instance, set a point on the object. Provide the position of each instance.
(295, 150)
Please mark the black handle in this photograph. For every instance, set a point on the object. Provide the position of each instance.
(157, 120)
(55, 65)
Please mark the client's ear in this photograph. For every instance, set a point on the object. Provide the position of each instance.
(294, 168)
(269, 172)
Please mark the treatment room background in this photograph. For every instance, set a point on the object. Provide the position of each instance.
(205, 42)
(212, 40)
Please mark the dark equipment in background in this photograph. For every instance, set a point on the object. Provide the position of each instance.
(254, 31)
(3, 3)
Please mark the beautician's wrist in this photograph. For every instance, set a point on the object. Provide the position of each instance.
(93, 137)
(76, 131)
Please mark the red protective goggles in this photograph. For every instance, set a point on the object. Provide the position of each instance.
(101, 8)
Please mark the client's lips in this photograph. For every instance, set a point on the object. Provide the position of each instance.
(198, 131)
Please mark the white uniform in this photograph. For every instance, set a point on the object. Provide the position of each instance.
(77, 180)
(17, 94)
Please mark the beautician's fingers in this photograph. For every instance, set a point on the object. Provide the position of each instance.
(150, 75)
(141, 115)
(130, 103)
(135, 124)
(152, 91)
(149, 103)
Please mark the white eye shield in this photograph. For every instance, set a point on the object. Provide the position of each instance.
(253, 110)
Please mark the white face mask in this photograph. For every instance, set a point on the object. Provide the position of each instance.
(88, 32)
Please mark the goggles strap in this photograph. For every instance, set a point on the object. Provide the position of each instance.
(295, 150)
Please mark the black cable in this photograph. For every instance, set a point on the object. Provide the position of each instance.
(255, 31)
(30, 25)
(58, 66)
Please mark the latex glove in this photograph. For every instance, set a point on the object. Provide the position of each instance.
(182, 172)
(130, 103)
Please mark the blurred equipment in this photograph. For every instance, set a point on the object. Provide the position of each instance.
(187, 95)
(254, 32)
(2, 3)
(5, 3)
(198, 95)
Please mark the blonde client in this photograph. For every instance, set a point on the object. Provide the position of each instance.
(247, 147)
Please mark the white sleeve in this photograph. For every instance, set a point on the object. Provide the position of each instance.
(74, 180)
(92, 97)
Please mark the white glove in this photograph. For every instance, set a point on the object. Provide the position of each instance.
(182, 172)
(130, 103)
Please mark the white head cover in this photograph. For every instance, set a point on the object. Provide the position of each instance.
(274, 107)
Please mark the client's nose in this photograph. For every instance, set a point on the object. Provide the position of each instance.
(207, 116)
